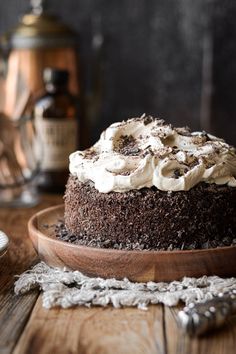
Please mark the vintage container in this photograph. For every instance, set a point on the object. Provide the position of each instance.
(39, 40)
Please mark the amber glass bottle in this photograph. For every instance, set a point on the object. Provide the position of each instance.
(56, 124)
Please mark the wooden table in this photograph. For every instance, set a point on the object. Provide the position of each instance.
(26, 327)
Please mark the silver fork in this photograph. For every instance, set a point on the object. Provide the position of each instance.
(197, 319)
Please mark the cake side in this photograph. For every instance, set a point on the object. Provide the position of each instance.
(150, 218)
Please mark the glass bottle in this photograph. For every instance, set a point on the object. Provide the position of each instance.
(56, 124)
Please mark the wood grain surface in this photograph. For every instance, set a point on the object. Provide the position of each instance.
(26, 327)
(14, 310)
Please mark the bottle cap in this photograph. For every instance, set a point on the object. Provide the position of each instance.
(56, 76)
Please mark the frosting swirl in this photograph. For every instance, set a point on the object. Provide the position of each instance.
(145, 152)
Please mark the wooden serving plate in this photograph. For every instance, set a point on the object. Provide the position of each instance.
(135, 265)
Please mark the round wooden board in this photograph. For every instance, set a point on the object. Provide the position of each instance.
(135, 265)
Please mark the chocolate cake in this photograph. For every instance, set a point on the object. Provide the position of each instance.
(147, 185)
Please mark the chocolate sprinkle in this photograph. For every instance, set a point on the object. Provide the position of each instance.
(63, 234)
(127, 145)
(147, 120)
(203, 217)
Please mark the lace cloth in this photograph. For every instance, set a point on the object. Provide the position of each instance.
(66, 288)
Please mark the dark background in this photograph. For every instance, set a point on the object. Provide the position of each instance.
(171, 58)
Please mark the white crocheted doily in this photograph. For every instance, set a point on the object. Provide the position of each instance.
(66, 288)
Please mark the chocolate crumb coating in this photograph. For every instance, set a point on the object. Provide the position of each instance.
(153, 219)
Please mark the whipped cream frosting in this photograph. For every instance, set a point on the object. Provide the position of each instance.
(145, 152)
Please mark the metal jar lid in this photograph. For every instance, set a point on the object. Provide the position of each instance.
(38, 29)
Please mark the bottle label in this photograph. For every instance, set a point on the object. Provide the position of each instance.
(56, 140)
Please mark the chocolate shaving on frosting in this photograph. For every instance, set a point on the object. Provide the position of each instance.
(145, 152)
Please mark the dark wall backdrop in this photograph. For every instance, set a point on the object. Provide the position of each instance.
(172, 58)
